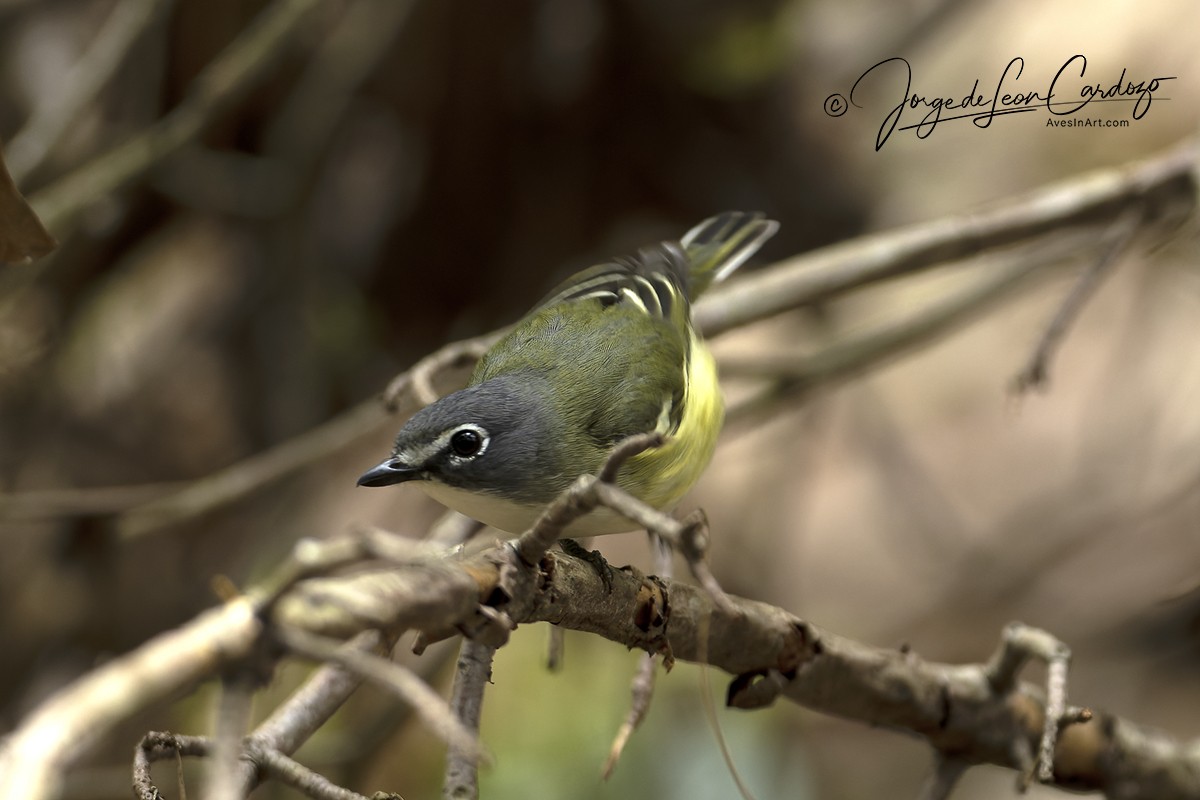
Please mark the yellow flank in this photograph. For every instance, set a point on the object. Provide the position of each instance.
(663, 475)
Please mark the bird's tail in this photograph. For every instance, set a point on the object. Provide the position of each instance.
(721, 244)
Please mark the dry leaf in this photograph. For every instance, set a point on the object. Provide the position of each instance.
(22, 234)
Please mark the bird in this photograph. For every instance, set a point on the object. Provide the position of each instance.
(610, 353)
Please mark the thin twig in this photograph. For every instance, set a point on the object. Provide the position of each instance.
(1056, 703)
(580, 499)
(22, 234)
(310, 707)
(155, 746)
(232, 719)
(372, 737)
(945, 776)
(556, 642)
(418, 382)
(1036, 373)
(473, 673)
(1018, 645)
(642, 692)
(393, 677)
(642, 686)
(688, 537)
(292, 773)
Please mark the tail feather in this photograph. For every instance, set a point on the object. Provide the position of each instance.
(721, 244)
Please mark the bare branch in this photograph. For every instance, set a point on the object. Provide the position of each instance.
(978, 713)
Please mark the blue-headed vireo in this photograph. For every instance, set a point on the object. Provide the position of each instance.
(609, 354)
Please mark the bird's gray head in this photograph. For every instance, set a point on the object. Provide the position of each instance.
(493, 437)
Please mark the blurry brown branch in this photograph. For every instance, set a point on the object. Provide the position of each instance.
(345, 59)
(792, 374)
(141, 510)
(251, 474)
(49, 503)
(222, 84)
(270, 185)
(1164, 186)
(55, 114)
(971, 714)
(418, 382)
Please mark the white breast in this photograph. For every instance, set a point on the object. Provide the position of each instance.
(515, 518)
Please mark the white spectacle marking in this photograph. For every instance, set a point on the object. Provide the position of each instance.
(484, 437)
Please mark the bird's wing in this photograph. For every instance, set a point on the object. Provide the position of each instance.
(655, 280)
(616, 338)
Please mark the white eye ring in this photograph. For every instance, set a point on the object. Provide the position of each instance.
(479, 441)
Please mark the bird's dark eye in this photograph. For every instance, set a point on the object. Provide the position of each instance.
(466, 442)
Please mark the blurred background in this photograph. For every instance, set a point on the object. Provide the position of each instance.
(400, 175)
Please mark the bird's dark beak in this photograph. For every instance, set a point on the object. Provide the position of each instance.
(391, 471)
